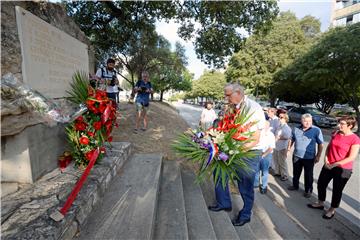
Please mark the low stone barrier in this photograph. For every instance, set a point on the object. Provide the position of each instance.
(26, 213)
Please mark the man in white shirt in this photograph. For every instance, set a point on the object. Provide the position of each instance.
(234, 94)
(108, 80)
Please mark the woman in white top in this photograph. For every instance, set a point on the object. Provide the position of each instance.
(267, 143)
(282, 137)
(208, 116)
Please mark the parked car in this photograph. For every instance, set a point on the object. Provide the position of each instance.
(319, 118)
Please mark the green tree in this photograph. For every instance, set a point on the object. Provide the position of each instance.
(170, 71)
(110, 24)
(210, 85)
(331, 67)
(264, 55)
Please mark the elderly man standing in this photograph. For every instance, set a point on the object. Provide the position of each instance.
(234, 94)
(305, 138)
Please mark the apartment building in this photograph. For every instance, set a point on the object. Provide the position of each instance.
(345, 12)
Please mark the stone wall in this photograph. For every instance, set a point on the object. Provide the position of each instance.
(27, 142)
(53, 14)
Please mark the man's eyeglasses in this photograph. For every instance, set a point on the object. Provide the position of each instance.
(281, 117)
(342, 123)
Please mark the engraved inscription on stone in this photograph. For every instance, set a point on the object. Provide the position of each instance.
(50, 56)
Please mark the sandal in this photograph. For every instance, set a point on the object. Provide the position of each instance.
(315, 207)
(327, 217)
(135, 130)
(284, 178)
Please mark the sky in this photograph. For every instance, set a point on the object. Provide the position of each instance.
(320, 9)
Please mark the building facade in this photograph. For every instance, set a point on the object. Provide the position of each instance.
(345, 12)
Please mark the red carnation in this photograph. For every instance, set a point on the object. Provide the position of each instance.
(97, 125)
(110, 139)
(80, 126)
(89, 154)
(102, 107)
(90, 102)
(80, 119)
(84, 140)
(102, 150)
(91, 134)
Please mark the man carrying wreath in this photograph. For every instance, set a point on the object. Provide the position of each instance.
(234, 94)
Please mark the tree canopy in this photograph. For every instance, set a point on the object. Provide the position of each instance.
(330, 70)
(263, 56)
(170, 71)
(210, 85)
(215, 27)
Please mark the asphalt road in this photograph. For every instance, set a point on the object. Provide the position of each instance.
(350, 205)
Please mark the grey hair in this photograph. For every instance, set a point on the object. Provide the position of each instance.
(144, 73)
(235, 87)
(306, 115)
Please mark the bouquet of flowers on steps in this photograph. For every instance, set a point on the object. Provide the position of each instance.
(219, 151)
(93, 128)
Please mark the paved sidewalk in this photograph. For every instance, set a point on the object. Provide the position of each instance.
(310, 220)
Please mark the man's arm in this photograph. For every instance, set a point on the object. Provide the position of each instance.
(319, 151)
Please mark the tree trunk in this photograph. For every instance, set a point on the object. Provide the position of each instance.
(161, 95)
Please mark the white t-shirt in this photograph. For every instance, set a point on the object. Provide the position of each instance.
(108, 76)
(257, 116)
(208, 116)
(283, 131)
(267, 140)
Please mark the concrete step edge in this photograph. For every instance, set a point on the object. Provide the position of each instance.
(171, 214)
(198, 219)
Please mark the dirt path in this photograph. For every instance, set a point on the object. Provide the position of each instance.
(164, 125)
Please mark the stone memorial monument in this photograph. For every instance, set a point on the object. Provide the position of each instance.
(41, 49)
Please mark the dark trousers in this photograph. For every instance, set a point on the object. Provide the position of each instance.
(308, 165)
(340, 177)
(113, 97)
(245, 185)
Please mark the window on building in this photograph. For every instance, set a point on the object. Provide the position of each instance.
(349, 19)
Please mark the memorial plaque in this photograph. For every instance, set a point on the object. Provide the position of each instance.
(49, 56)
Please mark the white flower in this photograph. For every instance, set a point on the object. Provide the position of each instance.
(231, 152)
(220, 138)
(213, 132)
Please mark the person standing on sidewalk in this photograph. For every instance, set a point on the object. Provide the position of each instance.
(208, 116)
(234, 94)
(267, 142)
(274, 124)
(282, 138)
(273, 119)
(338, 164)
(305, 138)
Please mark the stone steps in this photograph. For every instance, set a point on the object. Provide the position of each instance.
(171, 215)
(221, 222)
(180, 210)
(128, 208)
(198, 220)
